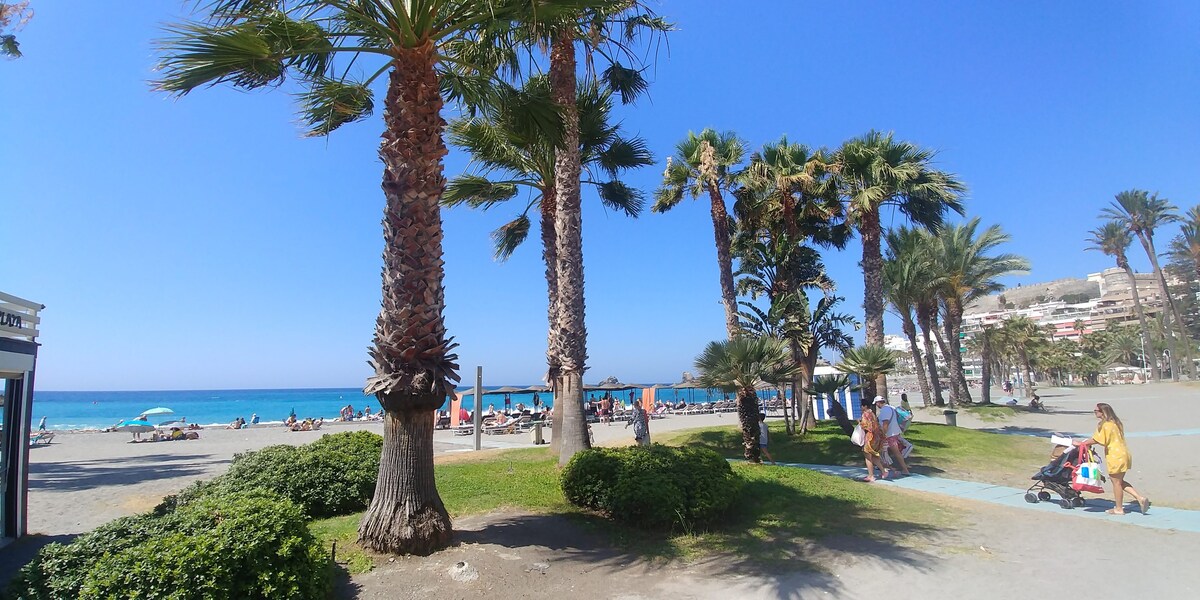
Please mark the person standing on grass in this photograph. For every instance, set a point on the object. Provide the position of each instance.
(1110, 433)
(762, 437)
(641, 425)
(889, 424)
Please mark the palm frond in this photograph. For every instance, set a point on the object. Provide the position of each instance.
(618, 196)
(328, 104)
(510, 235)
(627, 83)
(476, 191)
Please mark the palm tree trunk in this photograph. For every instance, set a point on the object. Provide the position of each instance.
(955, 388)
(571, 343)
(1141, 315)
(720, 219)
(986, 358)
(550, 257)
(1028, 374)
(1169, 304)
(747, 409)
(413, 520)
(953, 324)
(935, 385)
(910, 331)
(414, 370)
(872, 266)
(1183, 338)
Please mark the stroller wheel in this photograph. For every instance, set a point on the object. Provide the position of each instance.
(1044, 496)
(1030, 498)
(1067, 504)
(1077, 501)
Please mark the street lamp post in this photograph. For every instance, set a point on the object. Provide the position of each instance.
(1143, 360)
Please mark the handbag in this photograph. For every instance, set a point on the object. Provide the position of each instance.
(1087, 475)
(859, 437)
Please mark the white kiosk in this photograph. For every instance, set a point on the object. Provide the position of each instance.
(18, 357)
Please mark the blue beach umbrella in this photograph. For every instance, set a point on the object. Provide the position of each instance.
(134, 426)
(158, 410)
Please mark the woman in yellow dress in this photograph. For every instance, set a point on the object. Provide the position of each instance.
(1110, 433)
(872, 444)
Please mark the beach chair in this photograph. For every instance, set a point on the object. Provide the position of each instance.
(510, 425)
(41, 438)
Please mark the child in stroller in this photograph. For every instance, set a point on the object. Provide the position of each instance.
(1057, 476)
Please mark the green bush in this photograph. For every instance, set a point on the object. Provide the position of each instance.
(658, 487)
(58, 570)
(223, 545)
(335, 475)
(238, 545)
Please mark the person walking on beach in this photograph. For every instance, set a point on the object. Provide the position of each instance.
(889, 424)
(1110, 433)
(641, 425)
(42, 424)
(762, 437)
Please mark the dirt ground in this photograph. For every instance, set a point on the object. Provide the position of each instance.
(1000, 553)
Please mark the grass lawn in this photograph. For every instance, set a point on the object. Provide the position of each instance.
(780, 510)
(954, 452)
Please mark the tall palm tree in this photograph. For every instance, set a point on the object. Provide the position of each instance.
(511, 151)
(605, 28)
(968, 272)
(1023, 336)
(1113, 239)
(1141, 213)
(738, 364)
(877, 171)
(868, 362)
(909, 275)
(705, 163)
(257, 44)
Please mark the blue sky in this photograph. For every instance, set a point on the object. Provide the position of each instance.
(202, 243)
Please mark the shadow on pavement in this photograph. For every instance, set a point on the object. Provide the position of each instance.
(90, 474)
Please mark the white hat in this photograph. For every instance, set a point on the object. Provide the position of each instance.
(879, 399)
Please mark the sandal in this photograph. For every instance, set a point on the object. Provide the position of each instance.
(1144, 504)
(1113, 511)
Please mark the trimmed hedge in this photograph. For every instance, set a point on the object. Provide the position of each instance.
(658, 487)
(230, 545)
(334, 475)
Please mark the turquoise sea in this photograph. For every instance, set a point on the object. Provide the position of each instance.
(97, 410)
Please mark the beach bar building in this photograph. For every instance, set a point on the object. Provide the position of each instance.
(18, 356)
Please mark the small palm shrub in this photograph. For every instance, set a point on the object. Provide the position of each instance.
(659, 487)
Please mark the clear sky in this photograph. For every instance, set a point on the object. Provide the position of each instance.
(202, 243)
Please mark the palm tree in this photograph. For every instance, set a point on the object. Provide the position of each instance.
(13, 16)
(1023, 336)
(605, 28)
(968, 273)
(910, 275)
(1113, 239)
(705, 164)
(511, 151)
(828, 385)
(868, 362)
(738, 364)
(257, 44)
(878, 171)
(1185, 247)
(826, 330)
(1141, 214)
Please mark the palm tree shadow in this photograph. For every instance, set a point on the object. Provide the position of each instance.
(782, 536)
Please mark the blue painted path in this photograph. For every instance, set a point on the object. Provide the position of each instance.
(1159, 517)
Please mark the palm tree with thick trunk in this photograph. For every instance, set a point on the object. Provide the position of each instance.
(968, 272)
(257, 44)
(705, 164)
(738, 365)
(875, 171)
(1113, 239)
(1142, 213)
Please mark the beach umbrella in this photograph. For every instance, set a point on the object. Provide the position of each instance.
(134, 426)
(158, 410)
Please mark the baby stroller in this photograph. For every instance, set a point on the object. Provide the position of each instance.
(1057, 476)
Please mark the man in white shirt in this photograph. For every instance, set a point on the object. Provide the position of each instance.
(889, 423)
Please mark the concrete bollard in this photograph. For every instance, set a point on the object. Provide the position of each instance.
(951, 417)
(536, 437)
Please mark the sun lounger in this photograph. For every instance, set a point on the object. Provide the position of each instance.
(41, 437)
(509, 426)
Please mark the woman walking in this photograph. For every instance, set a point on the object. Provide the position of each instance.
(1110, 433)
(872, 444)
